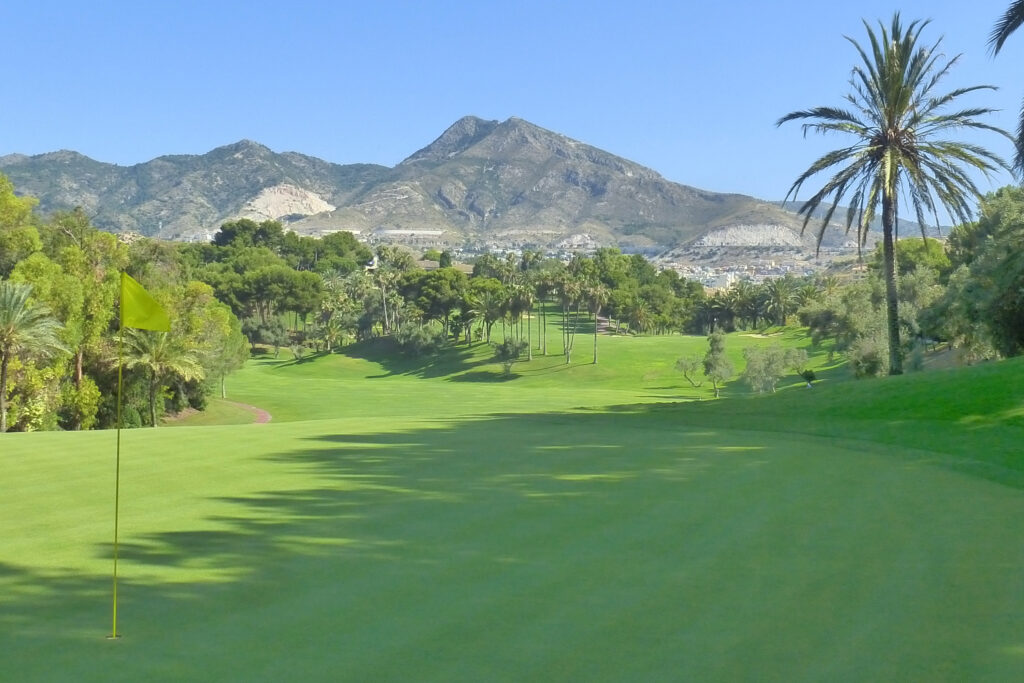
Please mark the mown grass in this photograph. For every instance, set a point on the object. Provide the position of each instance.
(372, 379)
(398, 521)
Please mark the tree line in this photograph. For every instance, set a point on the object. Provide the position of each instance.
(257, 284)
(59, 281)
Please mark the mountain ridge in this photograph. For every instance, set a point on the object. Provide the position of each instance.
(505, 182)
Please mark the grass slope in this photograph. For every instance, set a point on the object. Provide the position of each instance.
(410, 522)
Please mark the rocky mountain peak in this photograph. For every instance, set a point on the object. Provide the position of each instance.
(242, 148)
(459, 137)
(501, 183)
(12, 158)
(63, 156)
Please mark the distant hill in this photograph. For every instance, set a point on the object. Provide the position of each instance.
(184, 195)
(503, 183)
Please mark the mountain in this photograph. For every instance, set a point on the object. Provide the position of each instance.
(904, 227)
(183, 195)
(497, 182)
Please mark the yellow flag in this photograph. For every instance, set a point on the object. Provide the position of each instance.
(139, 309)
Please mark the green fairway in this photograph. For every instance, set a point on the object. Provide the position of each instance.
(407, 521)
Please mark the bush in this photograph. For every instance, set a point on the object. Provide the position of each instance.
(420, 340)
(765, 367)
(508, 352)
(869, 356)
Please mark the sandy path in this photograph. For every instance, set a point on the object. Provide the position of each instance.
(262, 416)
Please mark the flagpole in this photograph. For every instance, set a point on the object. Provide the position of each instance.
(117, 468)
(138, 309)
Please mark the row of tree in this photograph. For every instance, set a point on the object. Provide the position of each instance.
(281, 289)
(961, 292)
(59, 283)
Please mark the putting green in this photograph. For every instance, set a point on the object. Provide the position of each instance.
(483, 542)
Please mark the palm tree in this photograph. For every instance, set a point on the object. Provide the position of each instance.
(569, 291)
(385, 278)
(639, 315)
(162, 357)
(597, 296)
(526, 294)
(544, 284)
(896, 120)
(1010, 22)
(331, 333)
(828, 284)
(781, 295)
(744, 298)
(25, 328)
(807, 293)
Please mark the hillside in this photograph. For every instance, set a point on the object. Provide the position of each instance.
(181, 196)
(505, 183)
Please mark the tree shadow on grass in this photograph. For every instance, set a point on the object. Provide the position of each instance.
(450, 360)
(400, 528)
(485, 376)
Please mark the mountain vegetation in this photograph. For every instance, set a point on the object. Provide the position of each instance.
(508, 182)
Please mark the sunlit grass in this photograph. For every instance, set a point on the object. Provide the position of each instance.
(394, 522)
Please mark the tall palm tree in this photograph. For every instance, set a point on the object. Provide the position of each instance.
(469, 311)
(898, 153)
(25, 328)
(492, 308)
(162, 357)
(1007, 24)
(544, 284)
(526, 294)
(385, 278)
(569, 292)
(597, 295)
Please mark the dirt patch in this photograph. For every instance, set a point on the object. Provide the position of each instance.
(262, 416)
(187, 412)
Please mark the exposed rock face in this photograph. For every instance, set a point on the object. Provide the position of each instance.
(284, 200)
(185, 195)
(751, 236)
(498, 182)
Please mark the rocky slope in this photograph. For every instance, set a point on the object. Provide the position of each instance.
(501, 183)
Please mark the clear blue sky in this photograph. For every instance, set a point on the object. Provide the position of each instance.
(689, 89)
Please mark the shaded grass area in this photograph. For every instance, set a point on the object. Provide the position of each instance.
(576, 523)
(623, 545)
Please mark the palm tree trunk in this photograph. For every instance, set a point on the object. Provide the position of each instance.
(572, 335)
(595, 335)
(152, 400)
(565, 330)
(544, 328)
(891, 305)
(79, 374)
(3, 394)
(529, 333)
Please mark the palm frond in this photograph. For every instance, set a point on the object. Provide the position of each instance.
(1007, 24)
